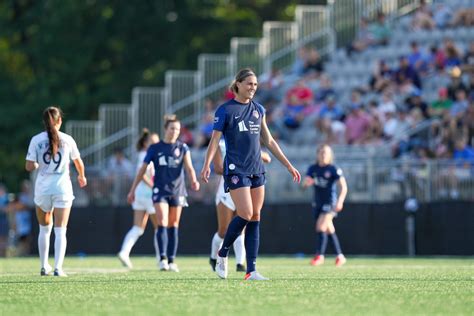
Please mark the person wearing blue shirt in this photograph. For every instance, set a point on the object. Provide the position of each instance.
(242, 123)
(169, 191)
(323, 176)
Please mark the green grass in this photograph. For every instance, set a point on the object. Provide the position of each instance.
(364, 286)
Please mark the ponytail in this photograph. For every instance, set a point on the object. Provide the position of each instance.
(51, 117)
(144, 137)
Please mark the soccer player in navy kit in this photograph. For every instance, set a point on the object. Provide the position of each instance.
(323, 176)
(169, 192)
(242, 123)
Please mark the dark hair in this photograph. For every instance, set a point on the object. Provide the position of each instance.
(170, 118)
(51, 117)
(239, 77)
(144, 137)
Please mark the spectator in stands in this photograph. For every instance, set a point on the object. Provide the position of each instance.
(205, 127)
(120, 173)
(24, 207)
(364, 38)
(436, 59)
(470, 88)
(405, 71)
(422, 19)
(387, 103)
(314, 62)
(330, 109)
(441, 105)
(357, 125)
(468, 123)
(375, 133)
(442, 15)
(464, 17)
(453, 54)
(417, 59)
(186, 136)
(381, 77)
(269, 86)
(298, 66)
(468, 61)
(463, 167)
(416, 102)
(456, 83)
(325, 89)
(4, 227)
(460, 105)
(380, 30)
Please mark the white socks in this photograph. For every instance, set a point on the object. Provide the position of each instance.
(155, 244)
(239, 249)
(60, 243)
(215, 245)
(130, 239)
(43, 244)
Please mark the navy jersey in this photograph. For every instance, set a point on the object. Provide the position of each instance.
(325, 178)
(241, 126)
(168, 161)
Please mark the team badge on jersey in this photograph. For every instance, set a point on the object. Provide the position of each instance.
(234, 179)
(327, 174)
(177, 152)
(255, 114)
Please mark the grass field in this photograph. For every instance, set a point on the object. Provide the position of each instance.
(364, 286)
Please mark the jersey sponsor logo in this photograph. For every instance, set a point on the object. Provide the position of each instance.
(162, 161)
(231, 166)
(242, 127)
(255, 114)
(234, 179)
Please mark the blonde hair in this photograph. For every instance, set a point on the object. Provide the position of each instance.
(239, 77)
(331, 153)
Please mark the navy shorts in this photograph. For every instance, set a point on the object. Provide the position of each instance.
(235, 181)
(171, 200)
(324, 209)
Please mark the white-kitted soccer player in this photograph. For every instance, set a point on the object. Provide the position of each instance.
(51, 152)
(143, 204)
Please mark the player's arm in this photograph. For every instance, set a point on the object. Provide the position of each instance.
(211, 151)
(218, 163)
(307, 182)
(136, 181)
(31, 165)
(272, 145)
(81, 176)
(342, 185)
(188, 166)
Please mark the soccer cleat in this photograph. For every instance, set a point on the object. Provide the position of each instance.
(340, 260)
(240, 268)
(164, 265)
(221, 267)
(212, 262)
(317, 260)
(125, 260)
(173, 267)
(255, 276)
(60, 273)
(46, 271)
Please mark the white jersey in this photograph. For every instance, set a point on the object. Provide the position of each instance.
(143, 190)
(53, 172)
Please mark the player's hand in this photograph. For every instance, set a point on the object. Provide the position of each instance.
(131, 197)
(82, 181)
(195, 186)
(205, 174)
(307, 182)
(295, 173)
(339, 206)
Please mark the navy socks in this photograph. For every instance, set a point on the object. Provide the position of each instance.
(252, 241)
(162, 239)
(321, 243)
(335, 242)
(233, 231)
(172, 243)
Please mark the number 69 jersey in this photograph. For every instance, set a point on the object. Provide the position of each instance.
(53, 172)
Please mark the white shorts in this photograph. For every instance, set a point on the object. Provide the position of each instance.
(49, 202)
(143, 204)
(224, 198)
